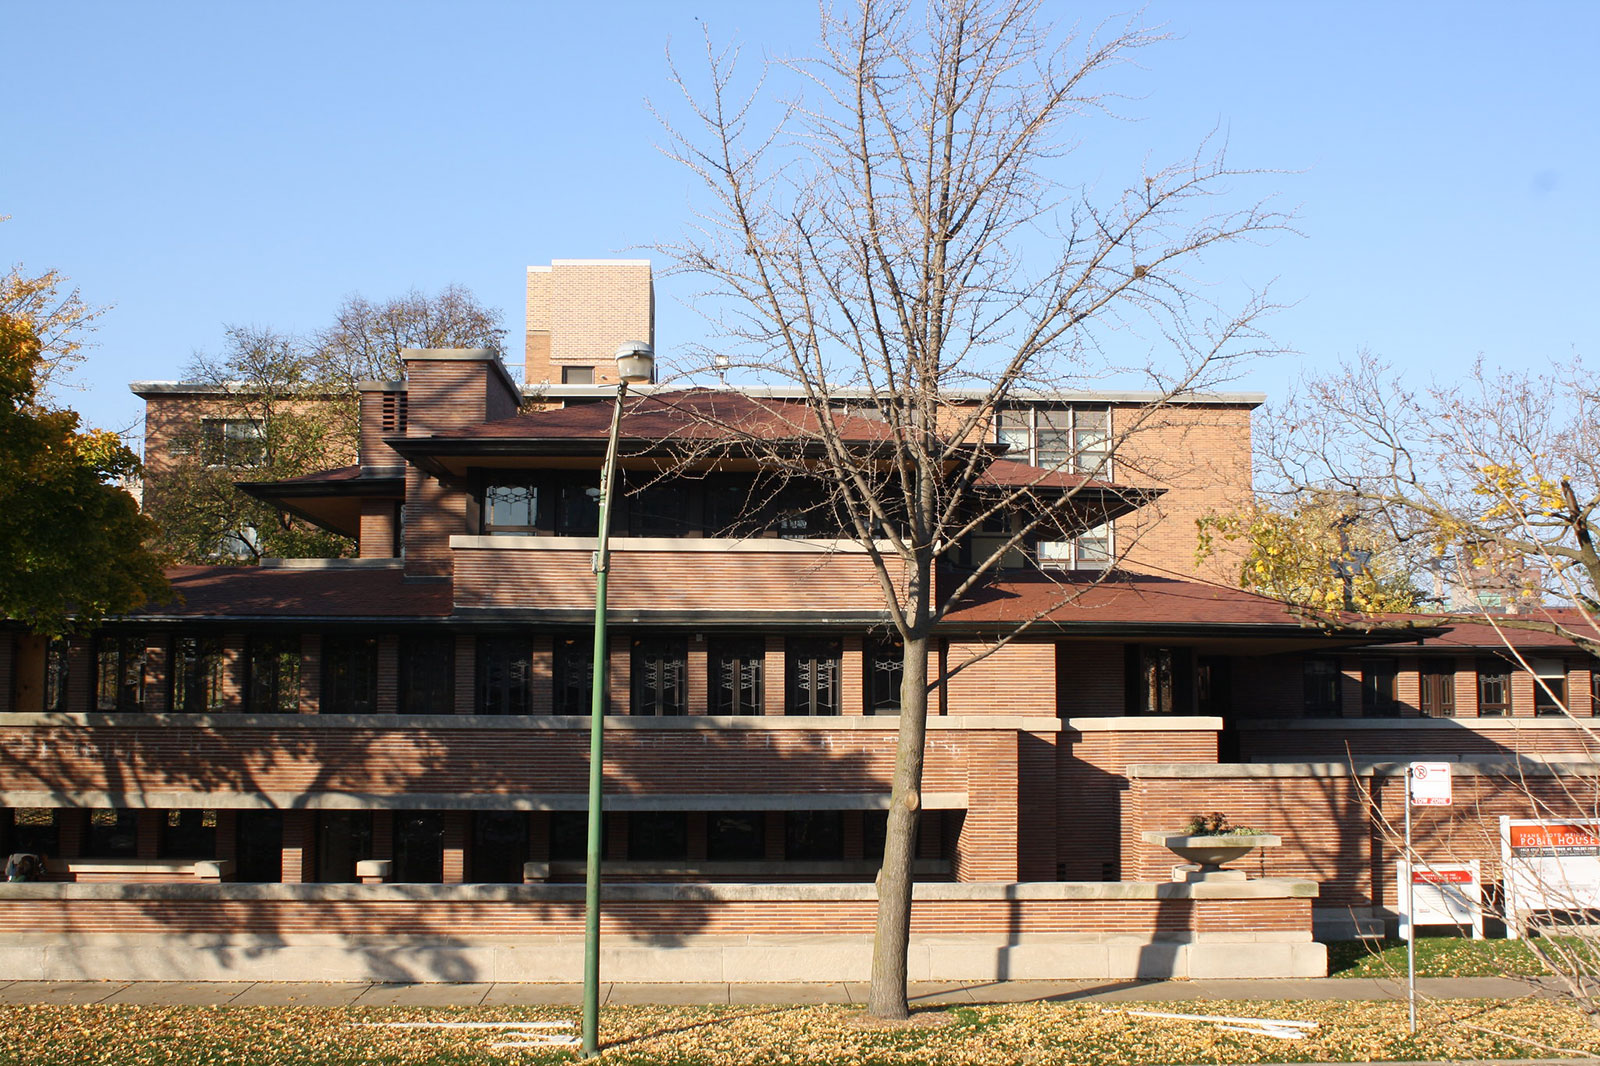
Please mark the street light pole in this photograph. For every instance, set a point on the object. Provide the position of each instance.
(635, 363)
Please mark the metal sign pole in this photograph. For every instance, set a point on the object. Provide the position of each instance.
(1411, 914)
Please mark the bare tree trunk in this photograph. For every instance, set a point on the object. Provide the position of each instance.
(887, 996)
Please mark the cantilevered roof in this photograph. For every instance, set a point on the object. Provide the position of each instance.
(333, 592)
(328, 498)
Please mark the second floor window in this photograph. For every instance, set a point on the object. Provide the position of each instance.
(885, 667)
(511, 509)
(574, 675)
(197, 674)
(1439, 689)
(1162, 680)
(1090, 550)
(1378, 696)
(812, 684)
(658, 670)
(55, 675)
(736, 676)
(1549, 686)
(505, 675)
(1494, 687)
(1071, 438)
(1322, 687)
(274, 684)
(349, 675)
(120, 673)
(232, 442)
(427, 674)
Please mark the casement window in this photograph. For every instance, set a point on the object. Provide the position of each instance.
(884, 664)
(274, 683)
(232, 442)
(731, 506)
(1494, 687)
(1439, 689)
(344, 838)
(349, 675)
(499, 847)
(419, 847)
(56, 672)
(1378, 694)
(1093, 549)
(34, 830)
(658, 836)
(737, 676)
(658, 509)
(121, 673)
(112, 833)
(511, 509)
(258, 848)
(505, 676)
(1160, 680)
(1322, 686)
(1213, 685)
(427, 682)
(738, 836)
(188, 834)
(659, 671)
(1077, 439)
(811, 685)
(813, 836)
(577, 509)
(198, 673)
(574, 674)
(1549, 686)
(577, 375)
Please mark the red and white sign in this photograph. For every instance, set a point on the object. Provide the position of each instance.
(1461, 876)
(1442, 893)
(1430, 784)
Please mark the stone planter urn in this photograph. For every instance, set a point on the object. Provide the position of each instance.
(1205, 853)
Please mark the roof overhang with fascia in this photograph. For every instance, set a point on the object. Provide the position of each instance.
(331, 505)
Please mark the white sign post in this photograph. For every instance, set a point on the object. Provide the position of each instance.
(1427, 785)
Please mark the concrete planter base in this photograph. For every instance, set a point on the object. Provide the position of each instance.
(678, 960)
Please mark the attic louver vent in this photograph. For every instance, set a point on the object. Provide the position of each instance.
(394, 412)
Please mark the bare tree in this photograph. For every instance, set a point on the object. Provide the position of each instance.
(910, 244)
(1494, 482)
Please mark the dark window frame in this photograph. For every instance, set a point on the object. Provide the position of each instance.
(1322, 687)
(197, 675)
(504, 670)
(812, 669)
(1380, 687)
(883, 671)
(128, 658)
(426, 674)
(269, 687)
(658, 676)
(737, 681)
(1494, 687)
(1437, 682)
(572, 675)
(488, 502)
(349, 675)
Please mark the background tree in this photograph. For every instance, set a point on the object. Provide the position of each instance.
(1317, 555)
(72, 541)
(1495, 478)
(915, 229)
(288, 406)
(57, 317)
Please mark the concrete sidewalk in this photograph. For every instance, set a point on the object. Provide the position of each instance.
(362, 993)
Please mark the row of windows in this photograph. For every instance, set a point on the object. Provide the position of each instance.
(1324, 693)
(659, 672)
(499, 841)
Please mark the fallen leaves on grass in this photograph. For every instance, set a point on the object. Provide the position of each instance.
(1092, 1034)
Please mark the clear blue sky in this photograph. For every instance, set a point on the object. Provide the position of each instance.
(195, 165)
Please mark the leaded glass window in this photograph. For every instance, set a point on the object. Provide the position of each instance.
(812, 684)
(659, 669)
(737, 676)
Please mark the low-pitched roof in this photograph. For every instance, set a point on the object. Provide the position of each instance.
(333, 593)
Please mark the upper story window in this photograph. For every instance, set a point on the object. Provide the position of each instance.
(659, 670)
(1439, 689)
(427, 674)
(577, 375)
(1072, 438)
(197, 674)
(1322, 687)
(658, 509)
(274, 684)
(737, 673)
(349, 675)
(505, 675)
(884, 660)
(511, 508)
(232, 442)
(1549, 686)
(55, 674)
(1494, 687)
(1093, 549)
(1379, 698)
(577, 509)
(812, 684)
(574, 675)
(121, 673)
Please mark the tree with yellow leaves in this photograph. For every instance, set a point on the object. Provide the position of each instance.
(56, 315)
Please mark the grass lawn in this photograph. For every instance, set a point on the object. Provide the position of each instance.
(789, 1036)
(1437, 956)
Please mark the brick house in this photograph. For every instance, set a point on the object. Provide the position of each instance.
(376, 766)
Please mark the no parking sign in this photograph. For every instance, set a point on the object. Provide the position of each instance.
(1430, 784)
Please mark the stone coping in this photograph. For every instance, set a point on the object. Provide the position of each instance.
(671, 893)
(719, 545)
(214, 799)
(195, 867)
(1489, 724)
(1461, 766)
(1146, 723)
(527, 723)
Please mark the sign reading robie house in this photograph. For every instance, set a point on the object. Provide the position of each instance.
(1549, 866)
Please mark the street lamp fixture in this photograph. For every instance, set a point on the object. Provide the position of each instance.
(635, 365)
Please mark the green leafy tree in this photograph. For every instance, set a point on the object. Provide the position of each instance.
(72, 541)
